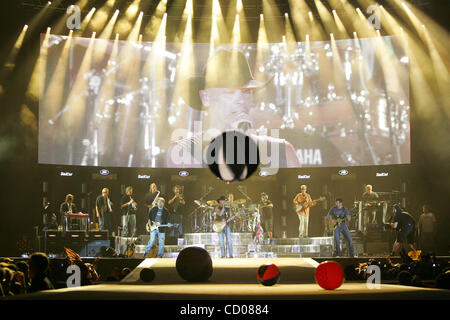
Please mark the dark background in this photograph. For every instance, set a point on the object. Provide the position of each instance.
(21, 178)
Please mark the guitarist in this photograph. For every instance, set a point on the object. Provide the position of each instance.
(303, 198)
(223, 214)
(405, 225)
(160, 215)
(266, 207)
(338, 215)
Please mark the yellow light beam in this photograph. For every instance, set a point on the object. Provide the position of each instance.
(153, 26)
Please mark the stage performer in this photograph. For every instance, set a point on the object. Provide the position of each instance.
(157, 216)
(405, 225)
(103, 209)
(177, 204)
(151, 196)
(426, 230)
(222, 214)
(67, 207)
(337, 217)
(303, 202)
(129, 209)
(369, 198)
(266, 212)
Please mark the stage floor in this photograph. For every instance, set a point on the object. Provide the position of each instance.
(235, 279)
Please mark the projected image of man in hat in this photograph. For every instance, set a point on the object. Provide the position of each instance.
(226, 91)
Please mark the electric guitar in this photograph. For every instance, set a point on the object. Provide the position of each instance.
(332, 226)
(220, 225)
(156, 225)
(299, 207)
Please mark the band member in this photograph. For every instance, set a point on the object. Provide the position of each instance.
(405, 225)
(370, 211)
(103, 209)
(67, 207)
(223, 214)
(151, 196)
(266, 213)
(303, 199)
(157, 215)
(129, 209)
(341, 213)
(426, 229)
(177, 204)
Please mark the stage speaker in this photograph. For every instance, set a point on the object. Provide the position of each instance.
(76, 240)
(94, 247)
(98, 235)
(53, 242)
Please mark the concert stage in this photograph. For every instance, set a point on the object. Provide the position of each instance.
(235, 279)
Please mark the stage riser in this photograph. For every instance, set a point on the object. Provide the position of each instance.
(304, 241)
(212, 238)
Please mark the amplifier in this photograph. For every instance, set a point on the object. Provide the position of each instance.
(76, 235)
(53, 242)
(94, 247)
(98, 235)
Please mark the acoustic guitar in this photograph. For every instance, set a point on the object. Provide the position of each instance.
(332, 226)
(218, 226)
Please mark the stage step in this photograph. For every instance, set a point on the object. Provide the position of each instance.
(243, 246)
(212, 238)
(304, 241)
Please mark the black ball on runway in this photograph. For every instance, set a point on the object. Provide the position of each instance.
(194, 264)
(268, 274)
(147, 275)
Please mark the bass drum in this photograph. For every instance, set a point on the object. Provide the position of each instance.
(313, 150)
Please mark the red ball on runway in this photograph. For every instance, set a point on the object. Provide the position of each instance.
(268, 274)
(329, 275)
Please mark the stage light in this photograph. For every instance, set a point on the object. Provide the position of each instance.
(16, 47)
(87, 19)
(239, 6)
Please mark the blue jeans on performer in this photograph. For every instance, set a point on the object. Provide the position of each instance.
(226, 231)
(337, 238)
(104, 223)
(151, 242)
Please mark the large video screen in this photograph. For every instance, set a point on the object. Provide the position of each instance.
(158, 105)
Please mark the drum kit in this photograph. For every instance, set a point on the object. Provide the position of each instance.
(248, 218)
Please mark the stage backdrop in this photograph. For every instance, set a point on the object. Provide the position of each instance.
(117, 103)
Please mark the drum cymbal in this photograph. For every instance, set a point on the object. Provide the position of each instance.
(240, 201)
(212, 203)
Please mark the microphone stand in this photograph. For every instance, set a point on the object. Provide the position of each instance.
(241, 191)
(196, 227)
